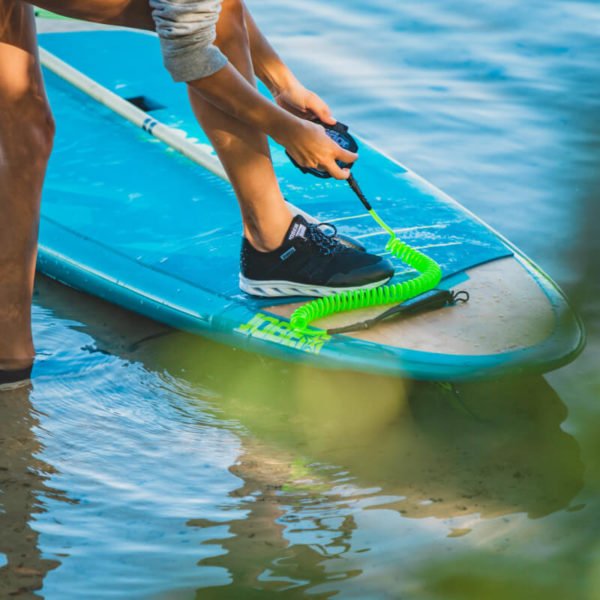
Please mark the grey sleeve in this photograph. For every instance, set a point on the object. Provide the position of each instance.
(187, 30)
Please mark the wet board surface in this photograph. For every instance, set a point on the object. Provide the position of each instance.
(134, 222)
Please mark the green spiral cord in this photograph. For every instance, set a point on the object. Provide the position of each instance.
(429, 276)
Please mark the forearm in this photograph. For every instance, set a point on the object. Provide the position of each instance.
(268, 66)
(229, 91)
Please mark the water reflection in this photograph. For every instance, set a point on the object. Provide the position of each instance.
(24, 489)
(585, 265)
(320, 450)
(364, 480)
(260, 554)
(497, 449)
(430, 461)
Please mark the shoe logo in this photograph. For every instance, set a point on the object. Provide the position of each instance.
(298, 230)
(287, 253)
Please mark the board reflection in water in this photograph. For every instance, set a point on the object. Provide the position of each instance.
(321, 451)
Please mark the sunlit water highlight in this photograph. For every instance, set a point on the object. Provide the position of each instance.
(144, 463)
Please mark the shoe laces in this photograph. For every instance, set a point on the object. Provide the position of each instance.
(322, 235)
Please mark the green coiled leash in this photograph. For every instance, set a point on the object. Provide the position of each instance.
(430, 273)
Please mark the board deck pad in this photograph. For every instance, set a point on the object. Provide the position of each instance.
(120, 208)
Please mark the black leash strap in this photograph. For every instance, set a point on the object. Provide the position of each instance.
(433, 300)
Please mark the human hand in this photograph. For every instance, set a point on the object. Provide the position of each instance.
(311, 147)
(303, 103)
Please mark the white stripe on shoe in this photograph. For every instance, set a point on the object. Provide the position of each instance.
(281, 289)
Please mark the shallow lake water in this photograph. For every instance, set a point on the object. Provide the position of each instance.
(147, 463)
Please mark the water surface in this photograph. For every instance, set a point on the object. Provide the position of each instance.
(144, 463)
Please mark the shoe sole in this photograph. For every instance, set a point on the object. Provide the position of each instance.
(281, 289)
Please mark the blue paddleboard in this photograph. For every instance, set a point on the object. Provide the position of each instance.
(128, 219)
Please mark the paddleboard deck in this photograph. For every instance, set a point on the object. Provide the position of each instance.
(130, 220)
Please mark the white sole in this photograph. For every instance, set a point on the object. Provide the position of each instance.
(280, 289)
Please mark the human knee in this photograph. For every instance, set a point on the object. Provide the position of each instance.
(100, 11)
(113, 11)
(235, 7)
(129, 13)
(232, 22)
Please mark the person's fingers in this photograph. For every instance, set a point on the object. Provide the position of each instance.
(346, 156)
(320, 109)
(336, 171)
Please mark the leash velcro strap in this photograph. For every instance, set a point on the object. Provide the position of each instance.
(433, 300)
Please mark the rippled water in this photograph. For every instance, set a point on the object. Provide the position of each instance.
(144, 463)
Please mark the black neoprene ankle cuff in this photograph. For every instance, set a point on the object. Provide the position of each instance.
(15, 375)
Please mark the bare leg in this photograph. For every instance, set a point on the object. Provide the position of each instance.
(26, 132)
(244, 151)
(129, 13)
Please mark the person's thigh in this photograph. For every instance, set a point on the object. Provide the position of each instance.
(19, 68)
(128, 13)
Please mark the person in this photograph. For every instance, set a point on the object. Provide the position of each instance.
(216, 48)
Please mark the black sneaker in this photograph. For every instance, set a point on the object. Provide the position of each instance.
(310, 262)
(344, 239)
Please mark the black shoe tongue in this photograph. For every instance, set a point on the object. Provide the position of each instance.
(297, 229)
